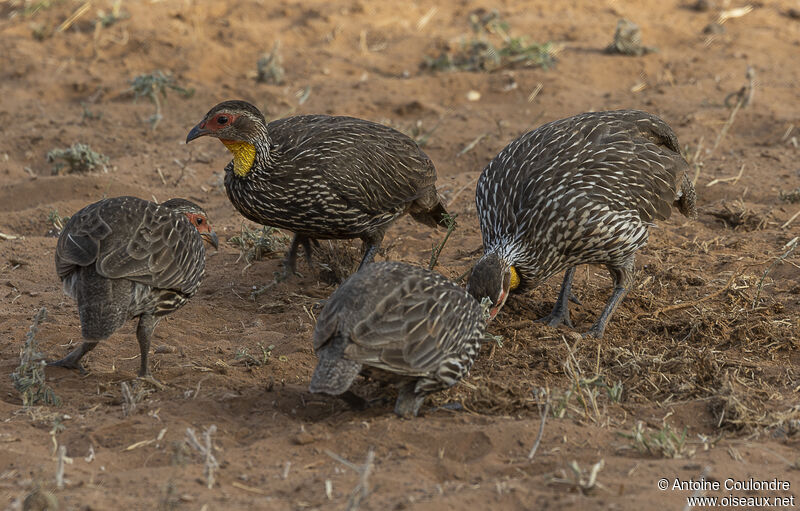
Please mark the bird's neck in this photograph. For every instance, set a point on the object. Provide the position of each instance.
(247, 155)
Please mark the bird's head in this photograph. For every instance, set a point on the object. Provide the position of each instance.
(240, 126)
(492, 278)
(197, 217)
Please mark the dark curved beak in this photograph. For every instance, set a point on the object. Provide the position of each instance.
(211, 237)
(197, 132)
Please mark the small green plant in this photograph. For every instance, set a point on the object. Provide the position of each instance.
(415, 131)
(88, 115)
(256, 244)
(615, 392)
(492, 48)
(244, 357)
(791, 197)
(153, 85)
(436, 250)
(117, 14)
(628, 40)
(57, 221)
(131, 397)
(33, 8)
(29, 377)
(665, 442)
(76, 158)
(270, 68)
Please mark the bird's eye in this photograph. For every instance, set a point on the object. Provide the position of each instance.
(200, 221)
(222, 119)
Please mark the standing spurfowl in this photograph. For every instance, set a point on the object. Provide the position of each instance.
(125, 257)
(581, 190)
(322, 177)
(399, 323)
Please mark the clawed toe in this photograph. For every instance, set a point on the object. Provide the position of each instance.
(149, 378)
(555, 319)
(69, 364)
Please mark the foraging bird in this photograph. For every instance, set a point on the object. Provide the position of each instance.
(322, 177)
(581, 190)
(125, 257)
(398, 323)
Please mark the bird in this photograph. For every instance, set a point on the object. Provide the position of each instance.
(322, 176)
(123, 258)
(580, 190)
(400, 324)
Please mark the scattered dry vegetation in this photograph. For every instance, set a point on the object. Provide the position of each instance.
(492, 48)
(257, 244)
(76, 158)
(270, 66)
(155, 85)
(29, 377)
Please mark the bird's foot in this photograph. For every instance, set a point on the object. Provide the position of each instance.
(359, 403)
(574, 299)
(559, 316)
(68, 363)
(596, 331)
(285, 274)
(453, 406)
(149, 378)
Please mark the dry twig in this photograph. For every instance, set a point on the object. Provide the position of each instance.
(206, 449)
(361, 491)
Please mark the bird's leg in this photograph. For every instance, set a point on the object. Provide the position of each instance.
(408, 400)
(372, 243)
(307, 249)
(623, 277)
(73, 359)
(144, 332)
(290, 262)
(560, 313)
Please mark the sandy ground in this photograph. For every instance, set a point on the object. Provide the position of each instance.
(703, 344)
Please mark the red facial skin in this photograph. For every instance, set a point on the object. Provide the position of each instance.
(214, 123)
(199, 221)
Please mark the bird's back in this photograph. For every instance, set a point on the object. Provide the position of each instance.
(124, 256)
(333, 176)
(571, 177)
(402, 319)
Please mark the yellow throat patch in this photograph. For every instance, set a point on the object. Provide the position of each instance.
(514, 279)
(244, 155)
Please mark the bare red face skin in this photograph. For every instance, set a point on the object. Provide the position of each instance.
(199, 221)
(219, 121)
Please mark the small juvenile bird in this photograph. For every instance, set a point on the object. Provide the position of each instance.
(125, 257)
(581, 190)
(322, 177)
(398, 323)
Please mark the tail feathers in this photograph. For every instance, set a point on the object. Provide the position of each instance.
(333, 374)
(102, 303)
(430, 215)
(687, 198)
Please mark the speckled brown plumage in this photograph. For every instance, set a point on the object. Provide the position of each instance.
(581, 190)
(403, 324)
(324, 177)
(125, 257)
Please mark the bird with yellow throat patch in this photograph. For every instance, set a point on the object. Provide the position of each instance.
(580, 190)
(322, 176)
